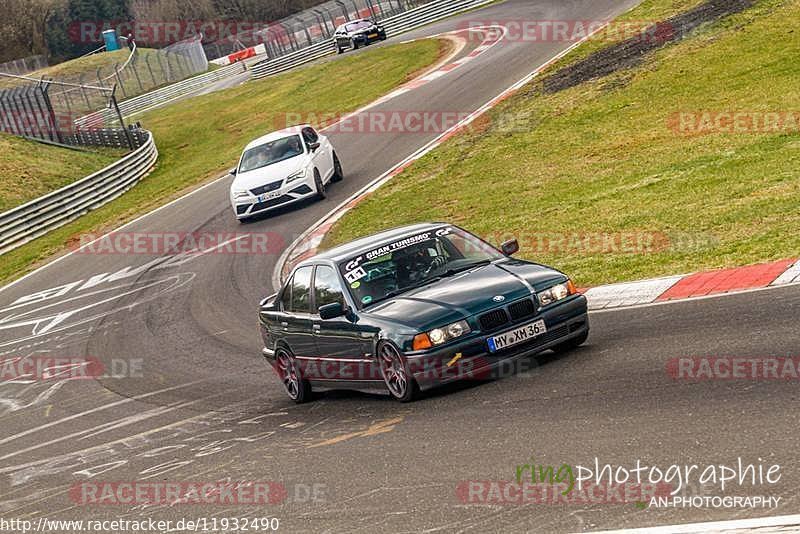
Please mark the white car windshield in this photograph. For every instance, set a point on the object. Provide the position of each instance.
(360, 25)
(272, 152)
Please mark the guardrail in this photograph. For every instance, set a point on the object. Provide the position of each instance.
(159, 97)
(38, 217)
(406, 21)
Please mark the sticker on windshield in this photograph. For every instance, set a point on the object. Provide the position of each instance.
(398, 245)
(366, 299)
(355, 275)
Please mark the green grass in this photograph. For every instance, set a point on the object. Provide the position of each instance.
(600, 159)
(29, 170)
(199, 138)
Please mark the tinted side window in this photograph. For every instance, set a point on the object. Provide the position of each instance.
(309, 135)
(327, 288)
(301, 291)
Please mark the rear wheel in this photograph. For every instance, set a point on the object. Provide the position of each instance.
(321, 192)
(337, 169)
(298, 389)
(396, 375)
(571, 344)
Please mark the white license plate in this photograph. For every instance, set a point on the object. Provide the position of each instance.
(516, 336)
(269, 196)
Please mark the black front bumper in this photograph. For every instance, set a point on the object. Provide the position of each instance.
(471, 359)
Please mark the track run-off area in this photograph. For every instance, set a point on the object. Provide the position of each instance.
(185, 396)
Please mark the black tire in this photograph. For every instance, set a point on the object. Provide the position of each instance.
(321, 192)
(338, 174)
(399, 381)
(339, 49)
(297, 388)
(354, 44)
(571, 344)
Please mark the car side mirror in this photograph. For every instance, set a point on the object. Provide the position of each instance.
(510, 247)
(313, 146)
(232, 171)
(331, 311)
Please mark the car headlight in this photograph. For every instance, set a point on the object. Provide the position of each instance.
(439, 336)
(296, 176)
(239, 194)
(556, 293)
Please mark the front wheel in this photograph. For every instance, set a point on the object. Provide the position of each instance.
(354, 44)
(571, 344)
(394, 369)
(337, 169)
(298, 389)
(321, 192)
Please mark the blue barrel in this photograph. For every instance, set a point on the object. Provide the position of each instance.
(110, 38)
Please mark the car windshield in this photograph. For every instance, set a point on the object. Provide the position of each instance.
(272, 152)
(394, 267)
(360, 25)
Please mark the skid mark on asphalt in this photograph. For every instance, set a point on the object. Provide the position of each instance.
(381, 427)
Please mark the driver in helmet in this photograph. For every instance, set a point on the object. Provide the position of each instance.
(417, 262)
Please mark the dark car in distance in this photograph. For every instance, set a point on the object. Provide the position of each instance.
(414, 307)
(358, 33)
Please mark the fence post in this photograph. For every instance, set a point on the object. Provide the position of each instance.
(46, 97)
(119, 116)
(83, 92)
(99, 78)
(119, 80)
(150, 69)
(136, 75)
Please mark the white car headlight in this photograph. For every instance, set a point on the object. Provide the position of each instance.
(296, 176)
(556, 293)
(439, 336)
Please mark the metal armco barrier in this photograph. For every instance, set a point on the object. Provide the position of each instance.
(38, 217)
(159, 97)
(408, 20)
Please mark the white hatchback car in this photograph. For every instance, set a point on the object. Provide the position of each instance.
(283, 167)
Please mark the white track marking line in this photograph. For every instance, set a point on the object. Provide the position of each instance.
(714, 526)
(95, 410)
(113, 425)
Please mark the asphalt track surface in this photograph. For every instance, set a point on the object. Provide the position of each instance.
(205, 407)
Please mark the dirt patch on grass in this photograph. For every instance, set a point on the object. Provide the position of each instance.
(631, 52)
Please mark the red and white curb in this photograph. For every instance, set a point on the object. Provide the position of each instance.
(702, 284)
(783, 524)
(492, 36)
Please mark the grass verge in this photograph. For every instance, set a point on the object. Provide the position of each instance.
(29, 169)
(201, 137)
(628, 176)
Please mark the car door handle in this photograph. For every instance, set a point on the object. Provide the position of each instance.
(316, 328)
